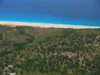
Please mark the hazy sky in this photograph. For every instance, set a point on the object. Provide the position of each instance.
(89, 9)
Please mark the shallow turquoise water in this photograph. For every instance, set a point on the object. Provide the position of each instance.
(66, 12)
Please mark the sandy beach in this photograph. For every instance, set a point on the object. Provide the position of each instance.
(41, 25)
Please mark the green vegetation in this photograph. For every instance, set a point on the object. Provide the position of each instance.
(49, 51)
(1, 36)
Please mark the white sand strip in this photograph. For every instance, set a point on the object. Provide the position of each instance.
(44, 25)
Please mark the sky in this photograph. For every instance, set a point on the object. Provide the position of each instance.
(73, 9)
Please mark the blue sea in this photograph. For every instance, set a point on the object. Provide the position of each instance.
(64, 12)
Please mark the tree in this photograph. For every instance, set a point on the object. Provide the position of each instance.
(1, 72)
(64, 70)
(21, 72)
(12, 70)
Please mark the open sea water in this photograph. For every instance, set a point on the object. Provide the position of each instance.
(65, 12)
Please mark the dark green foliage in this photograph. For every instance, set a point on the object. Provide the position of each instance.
(96, 64)
(22, 32)
(75, 51)
(1, 36)
(20, 46)
(12, 70)
(29, 40)
(7, 43)
(1, 72)
(5, 53)
(21, 72)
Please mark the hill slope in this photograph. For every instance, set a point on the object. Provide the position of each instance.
(49, 51)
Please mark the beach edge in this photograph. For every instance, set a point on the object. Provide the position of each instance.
(41, 25)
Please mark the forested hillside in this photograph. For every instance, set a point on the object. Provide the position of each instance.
(49, 51)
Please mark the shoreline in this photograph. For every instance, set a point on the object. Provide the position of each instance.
(41, 25)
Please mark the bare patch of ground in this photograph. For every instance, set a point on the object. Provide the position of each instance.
(69, 54)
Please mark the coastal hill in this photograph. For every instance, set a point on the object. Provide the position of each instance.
(26, 50)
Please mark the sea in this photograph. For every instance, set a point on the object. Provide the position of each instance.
(61, 12)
